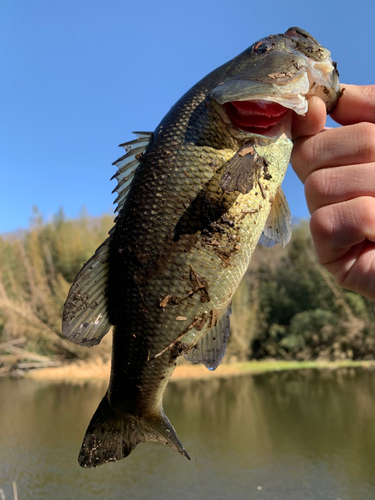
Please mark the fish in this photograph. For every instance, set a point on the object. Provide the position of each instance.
(194, 198)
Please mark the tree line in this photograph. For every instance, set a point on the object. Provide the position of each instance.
(286, 307)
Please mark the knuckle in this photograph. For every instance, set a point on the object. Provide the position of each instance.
(366, 140)
(303, 156)
(316, 185)
(321, 226)
(368, 211)
(340, 277)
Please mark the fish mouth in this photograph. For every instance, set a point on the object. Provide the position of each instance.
(255, 116)
(259, 107)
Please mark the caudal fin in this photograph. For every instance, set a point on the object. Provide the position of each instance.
(113, 435)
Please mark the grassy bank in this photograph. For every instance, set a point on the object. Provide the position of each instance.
(99, 371)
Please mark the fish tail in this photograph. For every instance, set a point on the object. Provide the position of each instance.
(113, 435)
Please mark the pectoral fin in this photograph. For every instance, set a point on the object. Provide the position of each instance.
(243, 171)
(211, 348)
(85, 316)
(278, 228)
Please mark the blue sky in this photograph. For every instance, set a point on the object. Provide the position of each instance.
(77, 77)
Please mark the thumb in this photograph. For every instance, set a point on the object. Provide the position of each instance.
(312, 122)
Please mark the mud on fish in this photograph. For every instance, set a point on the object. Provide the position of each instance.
(194, 198)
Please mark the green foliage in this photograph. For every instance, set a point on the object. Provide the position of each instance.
(305, 314)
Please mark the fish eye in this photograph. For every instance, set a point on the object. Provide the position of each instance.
(262, 47)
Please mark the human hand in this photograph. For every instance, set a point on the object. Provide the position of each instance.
(337, 167)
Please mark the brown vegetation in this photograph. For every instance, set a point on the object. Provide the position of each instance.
(287, 306)
(36, 270)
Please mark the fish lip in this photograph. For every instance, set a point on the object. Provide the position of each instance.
(290, 95)
(296, 33)
(246, 90)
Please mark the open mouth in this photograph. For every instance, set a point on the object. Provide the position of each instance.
(254, 116)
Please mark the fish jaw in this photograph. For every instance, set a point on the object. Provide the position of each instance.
(291, 67)
(290, 95)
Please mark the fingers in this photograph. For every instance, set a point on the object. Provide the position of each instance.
(357, 104)
(344, 146)
(344, 236)
(329, 186)
(353, 264)
(356, 269)
(340, 146)
(337, 167)
(337, 228)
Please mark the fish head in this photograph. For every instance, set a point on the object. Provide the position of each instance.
(274, 77)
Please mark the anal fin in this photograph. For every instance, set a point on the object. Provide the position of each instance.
(278, 228)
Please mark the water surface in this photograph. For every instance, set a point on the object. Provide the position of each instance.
(287, 435)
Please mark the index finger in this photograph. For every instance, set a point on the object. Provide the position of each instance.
(357, 104)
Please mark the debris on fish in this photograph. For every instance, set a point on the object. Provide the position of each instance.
(194, 198)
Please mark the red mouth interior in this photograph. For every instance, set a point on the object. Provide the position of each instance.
(254, 116)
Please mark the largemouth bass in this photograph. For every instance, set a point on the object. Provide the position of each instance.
(194, 199)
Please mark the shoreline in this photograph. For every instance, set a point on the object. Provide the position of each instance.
(99, 371)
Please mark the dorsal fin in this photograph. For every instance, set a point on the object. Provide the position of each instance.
(128, 164)
(211, 348)
(85, 317)
(278, 228)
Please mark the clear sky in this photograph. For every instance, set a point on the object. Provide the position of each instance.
(78, 76)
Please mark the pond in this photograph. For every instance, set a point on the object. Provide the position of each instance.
(297, 435)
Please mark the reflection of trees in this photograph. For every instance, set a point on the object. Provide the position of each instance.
(322, 413)
(316, 414)
(308, 431)
(217, 410)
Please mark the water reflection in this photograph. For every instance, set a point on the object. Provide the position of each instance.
(297, 435)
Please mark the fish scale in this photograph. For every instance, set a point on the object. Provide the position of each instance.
(202, 195)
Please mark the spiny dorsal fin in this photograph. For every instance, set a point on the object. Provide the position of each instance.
(278, 228)
(211, 348)
(85, 316)
(128, 164)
